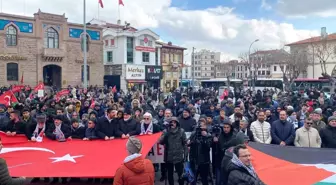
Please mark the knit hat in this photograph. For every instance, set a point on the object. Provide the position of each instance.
(133, 145)
(331, 118)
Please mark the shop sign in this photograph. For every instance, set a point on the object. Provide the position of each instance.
(135, 72)
(145, 49)
(153, 72)
(12, 57)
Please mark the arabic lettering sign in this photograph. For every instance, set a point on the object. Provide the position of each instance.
(76, 33)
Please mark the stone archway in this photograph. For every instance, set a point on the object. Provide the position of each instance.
(52, 75)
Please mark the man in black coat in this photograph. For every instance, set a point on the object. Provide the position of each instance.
(107, 125)
(240, 170)
(58, 131)
(128, 126)
(15, 126)
(200, 143)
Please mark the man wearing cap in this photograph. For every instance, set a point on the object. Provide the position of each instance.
(174, 140)
(4, 118)
(317, 122)
(58, 131)
(328, 134)
(37, 129)
(128, 126)
(136, 168)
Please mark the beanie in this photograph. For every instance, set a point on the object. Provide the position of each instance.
(331, 118)
(133, 145)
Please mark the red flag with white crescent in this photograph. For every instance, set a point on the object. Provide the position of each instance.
(73, 158)
(7, 98)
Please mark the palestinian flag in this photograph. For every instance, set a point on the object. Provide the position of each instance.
(288, 165)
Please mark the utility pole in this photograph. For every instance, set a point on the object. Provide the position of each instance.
(193, 66)
(85, 48)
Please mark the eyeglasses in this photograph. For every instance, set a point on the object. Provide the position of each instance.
(309, 123)
(146, 119)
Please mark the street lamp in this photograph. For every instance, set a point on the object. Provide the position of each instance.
(250, 63)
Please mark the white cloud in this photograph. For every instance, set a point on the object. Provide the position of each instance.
(265, 5)
(218, 29)
(306, 8)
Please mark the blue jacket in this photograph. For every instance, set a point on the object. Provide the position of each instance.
(282, 131)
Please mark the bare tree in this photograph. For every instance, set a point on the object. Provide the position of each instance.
(323, 50)
(245, 59)
(291, 64)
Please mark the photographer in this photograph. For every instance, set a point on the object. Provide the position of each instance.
(200, 143)
(174, 140)
(226, 139)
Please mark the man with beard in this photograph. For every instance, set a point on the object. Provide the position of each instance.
(4, 119)
(317, 122)
(128, 126)
(261, 129)
(225, 140)
(85, 108)
(182, 105)
(186, 121)
(107, 125)
(26, 118)
(15, 126)
(283, 132)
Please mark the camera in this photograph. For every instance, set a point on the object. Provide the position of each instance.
(216, 130)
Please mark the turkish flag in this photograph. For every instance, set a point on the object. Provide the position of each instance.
(40, 86)
(17, 88)
(7, 98)
(75, 158)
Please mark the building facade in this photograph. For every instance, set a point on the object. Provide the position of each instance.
(204, 64)
(129, 56)
(47, 48)
(172, 63)
(233, 69)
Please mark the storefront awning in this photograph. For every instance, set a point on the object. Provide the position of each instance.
(136, 81)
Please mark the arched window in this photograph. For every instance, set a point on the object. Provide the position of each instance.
(51, 38)
(12, 72)
(11, 36)
(87, 42)
(88, 73)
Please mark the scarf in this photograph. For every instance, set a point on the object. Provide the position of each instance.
(149, 128)
(36, 131)
(59, 134)
(235, 160)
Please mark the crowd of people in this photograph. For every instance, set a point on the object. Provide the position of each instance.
(220, 125)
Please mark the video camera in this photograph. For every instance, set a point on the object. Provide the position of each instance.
(216, 130)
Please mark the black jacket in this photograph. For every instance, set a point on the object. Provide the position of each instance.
(282, 131)
(328, 137)
(78, 133)
(156, 128)
(174, 142)
(106, 128)
(30, 128)
(188, 124)
(18, 127)
(128, 127)
(240, 176)
(200, 148)
(64, 128)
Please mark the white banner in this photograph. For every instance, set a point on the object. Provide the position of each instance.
(135, 72)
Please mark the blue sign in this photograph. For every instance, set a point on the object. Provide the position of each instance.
(76, 33)
(24, 27)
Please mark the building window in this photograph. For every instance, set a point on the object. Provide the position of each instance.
(150, 43)
(263, 72)
(88, 73)
(212, 56)
(51, 38)
(275, 68)
(112, 42)
(145, 57)
(156, 56)
(142, 43)
(268, 72)
(12, 72)
(109, 56)
(87, 43)
(11, 36)
(130, 48)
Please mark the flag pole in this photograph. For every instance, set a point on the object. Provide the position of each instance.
(84, 47)
(98, 10)
(119, 11)
(1, 5)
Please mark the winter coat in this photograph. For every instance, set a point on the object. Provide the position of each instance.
(328, 136)
(18, 127)
(78, 133)
(174, 142)
(188, 124)
(64, 128)
(136, 170)
(4, 119)
(307, 138)
(261, 132)
(200, 149)
(91, 133)
(282, 131)
(106, 128)
(127, 127)
(240, 176)
(5, 178)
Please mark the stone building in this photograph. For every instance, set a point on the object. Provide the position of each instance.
(46, 47)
